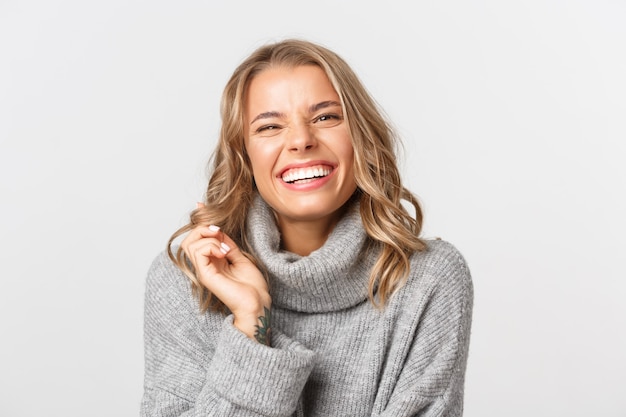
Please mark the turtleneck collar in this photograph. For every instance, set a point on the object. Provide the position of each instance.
(333, 277)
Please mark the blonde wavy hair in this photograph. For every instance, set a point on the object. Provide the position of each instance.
(392, 231)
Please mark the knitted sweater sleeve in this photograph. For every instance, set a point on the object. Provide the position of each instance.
(201, 365)
(431, 379)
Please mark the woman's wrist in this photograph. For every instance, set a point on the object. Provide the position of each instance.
(263, 332)
(256, 324)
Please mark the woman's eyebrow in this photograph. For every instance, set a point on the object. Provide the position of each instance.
(323, 105)
(267, 115)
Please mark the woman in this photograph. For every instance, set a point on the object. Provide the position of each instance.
(301, 287)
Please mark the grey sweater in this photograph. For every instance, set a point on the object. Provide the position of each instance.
(333, 353)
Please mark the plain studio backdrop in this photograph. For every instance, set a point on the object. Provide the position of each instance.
(513, 117)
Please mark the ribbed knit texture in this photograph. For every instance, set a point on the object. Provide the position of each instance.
(332, 354)
(339, 281)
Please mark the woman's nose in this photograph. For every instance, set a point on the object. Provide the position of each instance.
(301, 138)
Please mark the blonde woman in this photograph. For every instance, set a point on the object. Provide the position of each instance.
(301, 286)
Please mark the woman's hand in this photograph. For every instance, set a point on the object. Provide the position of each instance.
(228, 274)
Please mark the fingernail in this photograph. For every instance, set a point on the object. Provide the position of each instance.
(224, 248)
(214, 228)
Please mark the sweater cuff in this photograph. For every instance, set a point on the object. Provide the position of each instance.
(267, 380)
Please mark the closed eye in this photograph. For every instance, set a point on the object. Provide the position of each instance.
(266, 128)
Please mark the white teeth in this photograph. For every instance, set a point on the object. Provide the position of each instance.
(299, 174)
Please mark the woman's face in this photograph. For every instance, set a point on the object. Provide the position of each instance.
(298, 144)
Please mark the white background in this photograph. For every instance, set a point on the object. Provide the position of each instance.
(513, 118)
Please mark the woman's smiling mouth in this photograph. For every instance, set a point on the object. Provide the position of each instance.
(306, 174)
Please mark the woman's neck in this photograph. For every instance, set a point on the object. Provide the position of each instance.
(304, 237)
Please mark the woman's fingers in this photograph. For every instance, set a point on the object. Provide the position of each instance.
(232, 251)
(219, 274)
(213, 252)
(227, 246)
(201, 251)
(198, 233)
(204, 245)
